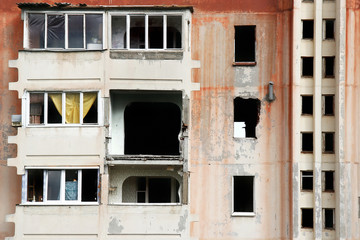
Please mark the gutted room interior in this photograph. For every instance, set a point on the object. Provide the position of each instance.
(246, 117)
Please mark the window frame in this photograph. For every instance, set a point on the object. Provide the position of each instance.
(146, 14)
(26, 29)
(242, 214)
(62, 200)
(245, 63)
(46, 124)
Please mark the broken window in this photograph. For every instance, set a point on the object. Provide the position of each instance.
(158, 135)
(63, 108)
(245, 37)
(306, 105)
(246, 117)
(64, 31)
(150, 190)
(243, 193)
(146, 32)
(306, 180)
(329, 28)
(64, 186)
(307, 218)
(308, 29)
(328, 142)
(329, 218)
(328, 181)
(307, 66)
(328, 105)
(328, 67)
(307, 142)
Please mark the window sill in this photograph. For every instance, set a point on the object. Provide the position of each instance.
(61, 125)
(147, 54)
(307, 152)
(60, 204)
(61, 50)
(243, 214)
(244, 64)
(145, 204)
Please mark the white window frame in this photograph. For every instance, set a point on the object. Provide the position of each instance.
(99, 109)
(127, 15)
(62, 200)
(242, 214)
(66, 14)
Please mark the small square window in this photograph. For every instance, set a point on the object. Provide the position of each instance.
(329, 218)
(307, 105)
(329, 28)
(243, 193)
(328, 105)
(308, 29)
(245, 37)
(307, 142)
(307, 218)
(306, 180)
(307, 66)
(328, 142)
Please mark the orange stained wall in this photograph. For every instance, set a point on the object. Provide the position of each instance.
(214, 151)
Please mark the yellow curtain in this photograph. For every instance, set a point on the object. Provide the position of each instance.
(73, 105)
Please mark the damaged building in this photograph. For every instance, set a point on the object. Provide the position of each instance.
(180, 120)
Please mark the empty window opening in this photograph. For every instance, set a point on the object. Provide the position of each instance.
(152, 128)
(328, 142)
(328, 181)
(245, 37)
(307, 142)
(146, 32)
(307, 66)
(307, 218)
(329, 218)
(328, 66)
(307, 105)
(328, 105)
(246, 117)
(243, 194)
(63, 186)
(308, 29)
(63, 108)
(329, 26)
(307, 180)
(150, 190)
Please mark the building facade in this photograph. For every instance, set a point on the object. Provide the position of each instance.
(180, 120)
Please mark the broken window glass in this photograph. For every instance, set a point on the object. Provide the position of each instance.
(56, 31)
(36, 23)
(76, 31)
(118, 32)
(174, 30)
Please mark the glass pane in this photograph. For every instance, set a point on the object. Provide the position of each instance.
(137, 32)
(54, 108)
(90, 109)
(71, 184)
(36, 108)
(89, 186)
(56, 31)
(54, 179)
(156, 32)
(174, 27)
(118, 32)
(72, 108)
(94, 31)
(35, 185)
(36, 30)
(76, 31)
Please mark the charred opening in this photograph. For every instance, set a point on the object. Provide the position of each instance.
(308, 29)
(243, 193)
(329, 66)
(307, 215)
(307, 180)
(328, 142)
(245, 37)
(152, 128)
(307, 66)
(328, 105)
(246, 117)
(307, 105)
(329, 218)
(307, 142)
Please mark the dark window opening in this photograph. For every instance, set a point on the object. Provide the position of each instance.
(328, 180)
(89, 186)
(35, 185)
(245, 37)
(156, 32)
(308, 29)
(329, 29)
(159, 190)
(92, 115)
(246, 117)
(307, 66)
(54, 115)
(307, 180)
(243, 193)
(307, 216)
(329, 66)
(36, 108)
(137, 32)
(152, 128)
(174, 26)
(307, 105)
(329, 218)
(328, 105)
(328, 142)
(307, 142)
